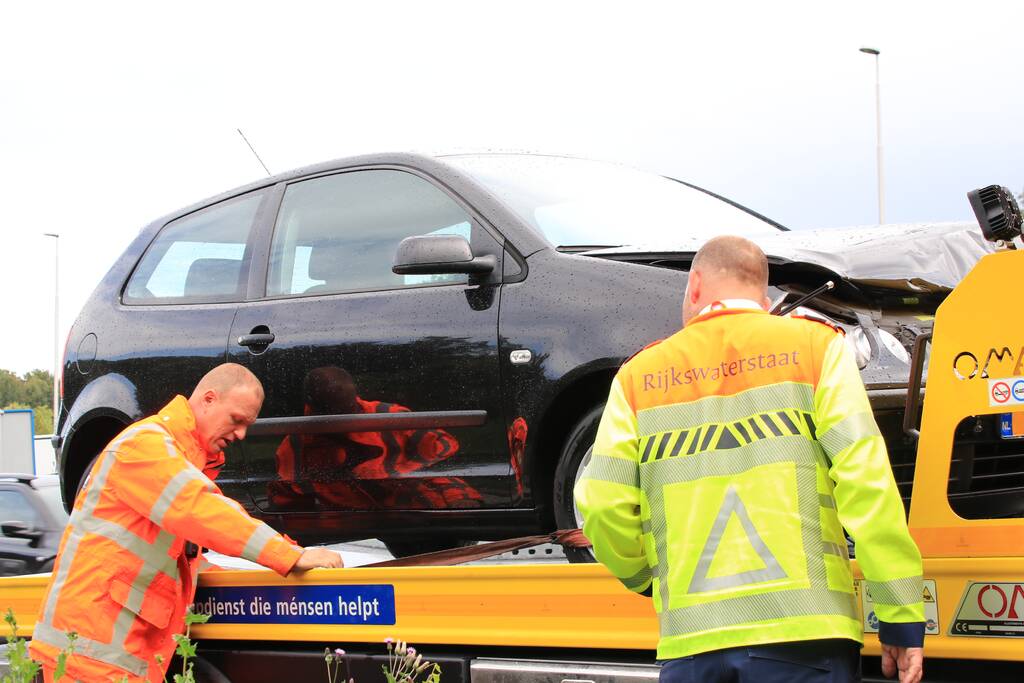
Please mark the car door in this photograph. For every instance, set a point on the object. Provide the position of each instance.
(382, 389)
(178, 304)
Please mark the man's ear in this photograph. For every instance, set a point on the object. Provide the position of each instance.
(209, 396)
(693, 286)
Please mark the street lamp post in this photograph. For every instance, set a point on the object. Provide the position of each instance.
(878, 130)
(56, 325)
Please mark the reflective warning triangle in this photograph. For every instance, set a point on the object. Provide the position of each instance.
(701, 582)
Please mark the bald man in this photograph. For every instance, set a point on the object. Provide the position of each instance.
(127, 565)
(728, 461)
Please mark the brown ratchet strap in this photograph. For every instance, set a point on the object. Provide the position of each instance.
(567, 538)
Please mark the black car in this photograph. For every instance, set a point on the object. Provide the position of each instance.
(437, 336)
(32, 520)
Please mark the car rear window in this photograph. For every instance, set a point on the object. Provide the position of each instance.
(200, 257)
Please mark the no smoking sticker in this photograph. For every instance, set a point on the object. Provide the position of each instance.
(1006, 392)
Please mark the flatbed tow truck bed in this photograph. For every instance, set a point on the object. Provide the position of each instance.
(563, 622)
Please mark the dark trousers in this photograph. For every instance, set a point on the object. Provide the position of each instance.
(807, 661)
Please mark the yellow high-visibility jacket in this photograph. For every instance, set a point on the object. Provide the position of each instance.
(728, 460)
(122, 580)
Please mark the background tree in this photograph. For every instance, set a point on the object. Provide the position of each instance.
(34, 390)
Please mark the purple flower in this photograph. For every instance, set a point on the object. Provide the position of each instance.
(388, 641)
(339, 652)
(411, 652)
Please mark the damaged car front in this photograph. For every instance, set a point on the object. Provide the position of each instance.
(888, 282)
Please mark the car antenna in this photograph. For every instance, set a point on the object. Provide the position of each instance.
(253, 151)
(783, 310)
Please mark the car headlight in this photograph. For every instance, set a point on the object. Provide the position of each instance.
(890, 342)
(857, 339)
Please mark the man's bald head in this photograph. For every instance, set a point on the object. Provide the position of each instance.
(225, 402)
(228, 376)
(726, 267)
(733, 258)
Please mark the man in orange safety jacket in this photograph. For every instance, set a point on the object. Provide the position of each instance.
(123, 577)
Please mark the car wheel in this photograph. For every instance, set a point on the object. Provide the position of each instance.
(204, 672)
(574, 458)
(408, 548)
(84, 478)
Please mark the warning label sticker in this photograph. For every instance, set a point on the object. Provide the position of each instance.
(1006, 392)
(931, 608)
(994, 610)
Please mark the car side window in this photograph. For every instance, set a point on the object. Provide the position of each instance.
(14, 506)
(198, 258)
(340, 232)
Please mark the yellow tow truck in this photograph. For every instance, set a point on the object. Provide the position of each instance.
(574, 622)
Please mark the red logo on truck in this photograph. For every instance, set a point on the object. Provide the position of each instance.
(999, 602)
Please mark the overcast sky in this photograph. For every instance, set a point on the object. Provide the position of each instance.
(112, 114)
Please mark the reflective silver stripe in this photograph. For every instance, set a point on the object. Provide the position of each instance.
(150, 553)
(262, 535)
(717, 409)
(638, 581)
(905, 591)
(847, 432)
(614, 470)
(797, 449)
(108, 654)
(826, 500)
(92, 496)
(701, 582)
(173, 488)
(757, 607)
(830, 548)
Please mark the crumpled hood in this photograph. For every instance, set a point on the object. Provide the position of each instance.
(920, 257)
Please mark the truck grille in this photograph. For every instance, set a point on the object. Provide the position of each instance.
(986, 478)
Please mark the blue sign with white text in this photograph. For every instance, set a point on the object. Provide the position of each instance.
(369, 604)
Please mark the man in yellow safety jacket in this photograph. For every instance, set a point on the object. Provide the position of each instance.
(123, 577)
(728, 461)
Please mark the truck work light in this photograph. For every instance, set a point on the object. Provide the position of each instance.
(997, 212)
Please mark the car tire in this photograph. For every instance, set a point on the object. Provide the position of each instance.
(204, 672)
(574, 458)
(84, 478)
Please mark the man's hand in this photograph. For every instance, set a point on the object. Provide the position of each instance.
(312, 558)
(908, 660)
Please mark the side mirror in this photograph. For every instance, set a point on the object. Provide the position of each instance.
(16, 529)
(440, 255)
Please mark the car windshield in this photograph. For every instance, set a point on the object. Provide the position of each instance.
(575, 202)
(50, 493)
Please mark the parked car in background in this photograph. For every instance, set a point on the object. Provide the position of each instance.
(32, 520)
(436, 336)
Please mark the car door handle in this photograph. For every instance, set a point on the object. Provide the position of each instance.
(260, 339)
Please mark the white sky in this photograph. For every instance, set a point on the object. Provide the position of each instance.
(112, 114)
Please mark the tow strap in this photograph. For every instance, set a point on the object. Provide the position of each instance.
(567, 538)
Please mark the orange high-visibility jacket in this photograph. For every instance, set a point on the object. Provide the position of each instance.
(122, 581)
